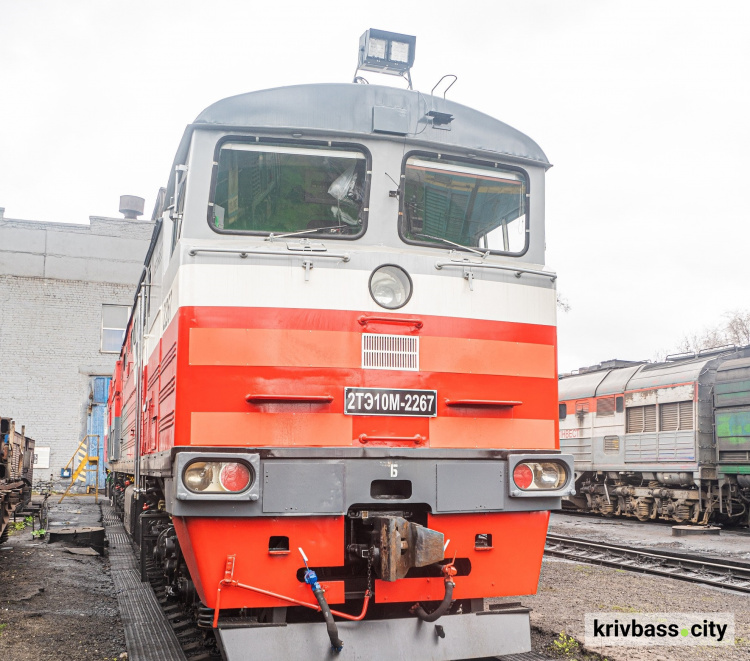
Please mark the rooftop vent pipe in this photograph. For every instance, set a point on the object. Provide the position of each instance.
(131, 206)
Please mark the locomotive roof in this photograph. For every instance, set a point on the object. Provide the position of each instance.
(616, 381)
(351, 109)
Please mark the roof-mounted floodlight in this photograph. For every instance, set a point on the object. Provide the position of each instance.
(386, 52)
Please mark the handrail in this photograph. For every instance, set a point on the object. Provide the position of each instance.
(303, 399)
(487, 403)
(366, 319)
(417, 439)
(87, 464)
(518, 271)
(244, 252)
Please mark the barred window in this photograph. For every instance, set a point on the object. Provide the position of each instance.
(676, 416)
(605, 406)
(641, 419)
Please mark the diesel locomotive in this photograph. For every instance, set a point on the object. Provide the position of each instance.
(333, 418)
(667, 441)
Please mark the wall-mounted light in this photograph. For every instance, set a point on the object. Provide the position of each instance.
(386, 52)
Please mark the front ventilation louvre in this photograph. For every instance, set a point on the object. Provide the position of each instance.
(390, 352)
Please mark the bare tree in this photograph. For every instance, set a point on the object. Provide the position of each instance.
(562, 303)
(735, 330)
(660, 355)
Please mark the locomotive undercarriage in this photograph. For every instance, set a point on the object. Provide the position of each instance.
(415, 551)
(633, 496)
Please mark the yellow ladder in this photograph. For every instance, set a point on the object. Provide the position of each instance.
(86, 464)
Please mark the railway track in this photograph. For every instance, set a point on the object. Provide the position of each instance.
(683, 566)
(627, 521)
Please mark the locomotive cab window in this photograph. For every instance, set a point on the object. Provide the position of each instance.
(457, 204)
(267, 189)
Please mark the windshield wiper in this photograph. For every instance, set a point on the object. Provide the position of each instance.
(453, 243)
(273, 236)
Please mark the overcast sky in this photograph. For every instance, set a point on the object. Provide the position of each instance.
(643, 107)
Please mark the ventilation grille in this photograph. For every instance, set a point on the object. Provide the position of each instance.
(612, 444)
(390, 352)
(641, 419)
(734, 456)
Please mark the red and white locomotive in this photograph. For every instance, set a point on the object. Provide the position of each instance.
(343, 348)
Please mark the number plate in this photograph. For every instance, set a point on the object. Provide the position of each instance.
(387, 401)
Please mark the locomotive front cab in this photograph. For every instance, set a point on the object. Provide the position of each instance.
(350, 356)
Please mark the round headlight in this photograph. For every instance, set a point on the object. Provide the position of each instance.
(550, 476)
(198, 476)
(390, 286)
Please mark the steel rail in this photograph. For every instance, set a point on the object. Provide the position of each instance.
(682, 566)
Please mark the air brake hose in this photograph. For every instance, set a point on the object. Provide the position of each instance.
(311, 578)
(333, 631)
(441, 610)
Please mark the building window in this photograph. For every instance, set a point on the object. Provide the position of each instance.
(641, 419)
(676, 416)
(114, 322)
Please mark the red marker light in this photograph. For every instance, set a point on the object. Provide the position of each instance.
(522, 476)
(234, 477)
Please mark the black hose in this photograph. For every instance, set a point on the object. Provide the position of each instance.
(333, 631)
(441, 610)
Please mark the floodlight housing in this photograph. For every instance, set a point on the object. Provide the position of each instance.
(386, 52)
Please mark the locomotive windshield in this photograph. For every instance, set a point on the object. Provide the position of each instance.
(264, 189)
(457, 204)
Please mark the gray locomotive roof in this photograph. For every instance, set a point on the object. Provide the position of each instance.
(616, 381)
(667, 374)
(653, 375)
(348, 108)
(739, 363)
(580, 385)
(610, 382)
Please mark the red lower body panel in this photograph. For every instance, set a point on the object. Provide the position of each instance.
(510, 567)
(206, 543)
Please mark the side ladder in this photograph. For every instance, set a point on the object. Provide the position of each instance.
(86, 464)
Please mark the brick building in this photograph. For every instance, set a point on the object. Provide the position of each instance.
(65, 297)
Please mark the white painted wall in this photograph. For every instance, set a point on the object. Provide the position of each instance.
(54, 279)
